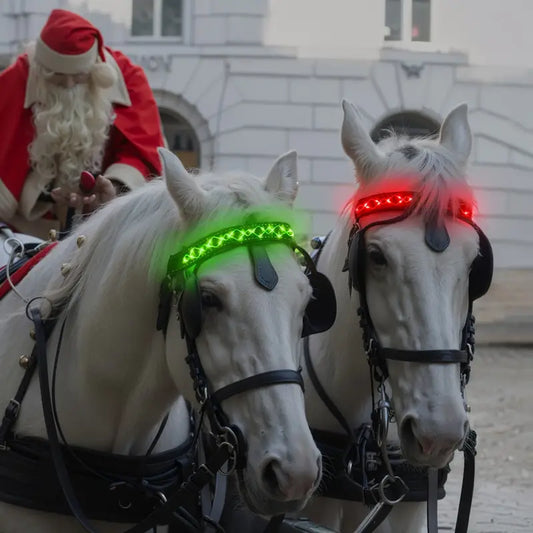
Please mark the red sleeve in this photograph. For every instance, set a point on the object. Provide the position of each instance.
(120, 150)
(17, 128)
(139, 124)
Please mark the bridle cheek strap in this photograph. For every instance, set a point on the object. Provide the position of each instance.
(265, 379)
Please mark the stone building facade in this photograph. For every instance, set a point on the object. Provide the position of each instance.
(231, 97)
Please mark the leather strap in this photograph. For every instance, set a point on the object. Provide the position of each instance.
(432, 503)
(328, 402)
(467, 488)
(273, 377)
(12, 409)
(212, 505)
(274, 524)
(51, 430)
(265, 274)
(379, 512)
(423, 356)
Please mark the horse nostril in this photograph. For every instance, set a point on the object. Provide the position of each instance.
(270, 478)
(406, 430)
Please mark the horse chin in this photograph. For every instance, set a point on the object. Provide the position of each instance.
(412, 453)
(263, 504)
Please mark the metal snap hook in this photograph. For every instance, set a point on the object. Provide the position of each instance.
(202, 395)
(383, 409)
(389, 481)
(161, 497)
(369, 346)
(229, 439)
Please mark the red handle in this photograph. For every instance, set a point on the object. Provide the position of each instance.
(87, 182)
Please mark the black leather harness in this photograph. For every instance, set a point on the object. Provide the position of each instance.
(360, 461)
(160, 489)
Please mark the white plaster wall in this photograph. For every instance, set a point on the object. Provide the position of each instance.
(273, 105)
(489, 32)
(249, 103)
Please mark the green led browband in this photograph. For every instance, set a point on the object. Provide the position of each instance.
(220, 241)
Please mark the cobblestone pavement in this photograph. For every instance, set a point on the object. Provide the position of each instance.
(500, 393)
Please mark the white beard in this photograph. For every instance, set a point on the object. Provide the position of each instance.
(71, 130)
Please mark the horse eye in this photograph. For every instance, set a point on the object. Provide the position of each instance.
(210, 300)
(377, 257)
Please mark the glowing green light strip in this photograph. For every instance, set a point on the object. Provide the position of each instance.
(220, 241)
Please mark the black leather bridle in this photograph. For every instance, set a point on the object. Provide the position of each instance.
(480, 278)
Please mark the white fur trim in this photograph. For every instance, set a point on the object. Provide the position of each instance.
(116, 94)
(29, 207)
(8, 204)
(126, 174)
(65, 63)
(103, 75)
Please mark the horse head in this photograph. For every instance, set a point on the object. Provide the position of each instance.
(417, 266)
(242, 306)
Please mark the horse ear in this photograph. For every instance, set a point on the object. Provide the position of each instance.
(282, 180)
(188, 196)
(358, 145)
(455, 133)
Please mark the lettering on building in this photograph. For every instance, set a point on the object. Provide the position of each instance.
(153, 63)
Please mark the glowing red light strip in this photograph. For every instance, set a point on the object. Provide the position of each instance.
(383, 202)
(397, 201)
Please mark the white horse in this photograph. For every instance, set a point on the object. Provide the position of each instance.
(117, 376)
(417, 299)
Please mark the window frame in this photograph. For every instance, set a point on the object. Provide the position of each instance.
(406, 22)
(184, 38)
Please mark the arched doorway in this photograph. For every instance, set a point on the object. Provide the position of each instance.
(181, 138)
(406, 123)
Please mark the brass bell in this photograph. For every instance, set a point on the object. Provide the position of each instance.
(80, 240)
(65, 269)
(24, 361)
(52, 235)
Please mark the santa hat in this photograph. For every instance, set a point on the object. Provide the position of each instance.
(70, 44)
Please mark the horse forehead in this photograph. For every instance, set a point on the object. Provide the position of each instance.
(232, 270)
(406, 240)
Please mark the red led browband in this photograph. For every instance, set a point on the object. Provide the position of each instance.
(397, 201)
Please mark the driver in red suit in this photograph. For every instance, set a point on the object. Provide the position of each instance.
(71, 104)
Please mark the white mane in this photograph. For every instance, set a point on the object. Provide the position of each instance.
(132, 226)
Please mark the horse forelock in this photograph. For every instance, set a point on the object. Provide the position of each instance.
(422, 166)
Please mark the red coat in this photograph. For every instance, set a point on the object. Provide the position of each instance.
(133, 142)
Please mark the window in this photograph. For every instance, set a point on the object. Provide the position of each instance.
(420, 29)
(393, 20)
(181, 138)
(408, 20)
(406, 123)
(157, 18)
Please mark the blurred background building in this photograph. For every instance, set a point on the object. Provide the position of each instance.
(239, 82)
